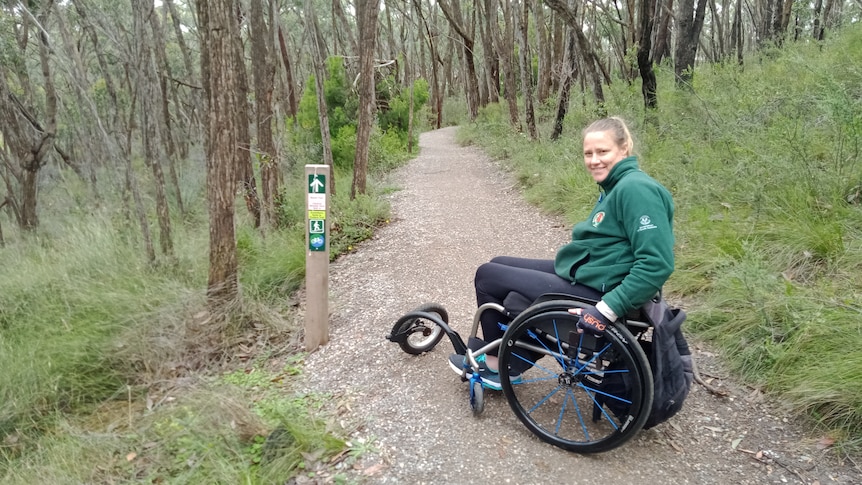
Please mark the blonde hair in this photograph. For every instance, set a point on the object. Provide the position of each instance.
(618, 128)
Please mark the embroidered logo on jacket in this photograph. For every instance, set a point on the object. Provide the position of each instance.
(646, 223)
(598, 218)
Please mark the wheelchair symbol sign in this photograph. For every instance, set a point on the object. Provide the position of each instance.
(316, 226)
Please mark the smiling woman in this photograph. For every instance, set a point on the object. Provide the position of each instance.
(620, 255)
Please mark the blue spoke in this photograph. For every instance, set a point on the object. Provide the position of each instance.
(596, 391)
(562, 412)
(535, 364)
(594, 357)
(542, 401)
(571, 395)
(542, 343)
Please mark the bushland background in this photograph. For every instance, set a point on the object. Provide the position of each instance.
(152, 227)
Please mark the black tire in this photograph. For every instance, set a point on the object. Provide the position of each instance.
(477, 397)
(587, 394)
(421, 334)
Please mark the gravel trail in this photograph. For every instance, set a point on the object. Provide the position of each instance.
(455, 209)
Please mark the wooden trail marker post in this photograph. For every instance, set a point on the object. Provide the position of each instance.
(317, 257)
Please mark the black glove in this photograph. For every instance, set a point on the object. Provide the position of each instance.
(592, 321)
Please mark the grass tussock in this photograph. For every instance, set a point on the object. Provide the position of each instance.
(764, 165)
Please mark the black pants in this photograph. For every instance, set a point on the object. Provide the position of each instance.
(528, 277)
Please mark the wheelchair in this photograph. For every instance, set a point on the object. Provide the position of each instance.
(581, 393)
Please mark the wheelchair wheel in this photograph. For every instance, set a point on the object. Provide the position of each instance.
(580, 393)
(420, 334)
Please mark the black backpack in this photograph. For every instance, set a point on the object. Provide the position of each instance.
(670, 360)
(672, 370)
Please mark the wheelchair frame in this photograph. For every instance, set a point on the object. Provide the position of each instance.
(569, 371)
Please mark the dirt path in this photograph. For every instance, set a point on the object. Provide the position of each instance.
(455, 211)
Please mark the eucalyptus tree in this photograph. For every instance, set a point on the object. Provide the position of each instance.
(526, 69)
(491, 56)
(568, 72)
(689, 23)
(103, 121)
(219, 31)
(544, 54)
(167, 94)
(591, 63)
(146, 86)
(28, 109)
(366, 15)
(649, 85)
(318, 54)
(263, 67)
(453, 12)
(431, 37)
(504, 42)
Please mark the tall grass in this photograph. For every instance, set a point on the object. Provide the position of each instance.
(764, 165)
(110, 365)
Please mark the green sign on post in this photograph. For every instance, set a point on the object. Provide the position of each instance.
(316, 183)
(316, 212)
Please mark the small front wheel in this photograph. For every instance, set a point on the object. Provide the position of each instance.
(477, 397)
(416, 335)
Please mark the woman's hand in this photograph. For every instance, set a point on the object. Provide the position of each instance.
(591, 321)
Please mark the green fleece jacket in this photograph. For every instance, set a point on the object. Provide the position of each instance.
(625, 248)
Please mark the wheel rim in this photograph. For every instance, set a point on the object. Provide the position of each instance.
(423, 334)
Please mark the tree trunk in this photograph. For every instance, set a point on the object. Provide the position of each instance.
(492, 62)
(526, 71)
(146, 86)
(817, 27)
(194, 128)
(661, 45)
(29, 140)
(131, 184)
(543, 83)
(345, 29)
(560, 39)
(821, 34)
(288, 72)
(366, 14)
(264, 74)
(690, 22)
(590, 59)
(166, 132)
(219, 31)
(645, 67)
(786, 13)
(567, 76)
(452, 12)
(436, 95)
(720, 52)
(506, 48)
(2, 240)
(245, 169)
(736, 33)
(411, 114)
(319, 75)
